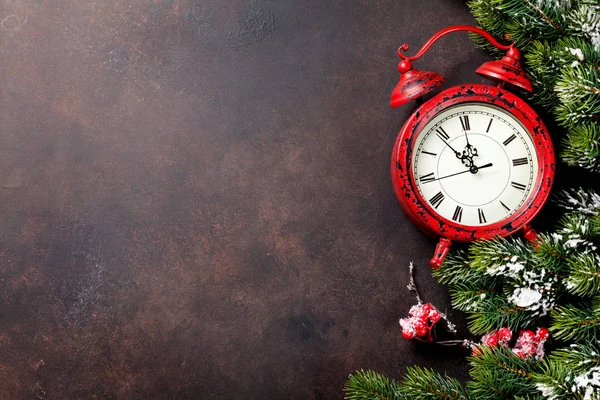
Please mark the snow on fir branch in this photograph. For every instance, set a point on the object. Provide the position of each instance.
(572, 372)
(582, 201)
(586, 20)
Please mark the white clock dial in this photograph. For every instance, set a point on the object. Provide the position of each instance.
(474, 164)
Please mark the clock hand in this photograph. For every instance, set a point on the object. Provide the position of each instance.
(456, 153)
(473, 168)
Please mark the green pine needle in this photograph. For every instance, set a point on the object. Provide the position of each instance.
(579, 323)
(426, 384)
(584, 277)
(499, 374)
(497, 313)
(579, 357)
(581, 147)
(369, 385)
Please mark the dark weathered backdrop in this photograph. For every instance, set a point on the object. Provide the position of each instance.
(195, 200)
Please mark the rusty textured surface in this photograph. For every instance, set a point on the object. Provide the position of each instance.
(195, 199)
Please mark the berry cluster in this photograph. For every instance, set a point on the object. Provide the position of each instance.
(422, 318)
(531, 344)
(501, 337)
(528, 344)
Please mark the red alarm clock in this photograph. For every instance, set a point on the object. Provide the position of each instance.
(474, 161)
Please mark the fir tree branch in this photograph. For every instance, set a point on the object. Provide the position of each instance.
(579, 357)
(581, 147)
(583, 278)
(499, 374)
(544, 16)
(579, 322)
(426, 384)
(497, 313)
(369, 385)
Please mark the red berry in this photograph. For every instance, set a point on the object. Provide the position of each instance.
(407, 335)
(527, 335)
(542, 333)
(476, 352)
(419, 323)
(519, 353)
(492, 340)
(421, 331)
(529, 349)
(426, 308)
(504, 334)
(434, 316)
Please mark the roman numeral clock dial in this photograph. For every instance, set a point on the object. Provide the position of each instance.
(474, 164)
(474, 161)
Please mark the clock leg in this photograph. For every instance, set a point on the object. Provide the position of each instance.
(530, 235)
(441, 250)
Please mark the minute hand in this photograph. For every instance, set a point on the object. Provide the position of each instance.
(463, 172)
(458, 155)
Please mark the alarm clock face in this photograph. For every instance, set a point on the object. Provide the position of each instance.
(474, 164)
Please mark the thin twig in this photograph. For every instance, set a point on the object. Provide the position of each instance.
(467, 344)
(411, 284)
(451, 326)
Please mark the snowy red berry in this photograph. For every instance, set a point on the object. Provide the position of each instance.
(414, 311)
(504, 335)
(526, 335)
(530, 344)
(421, 331)
(492, 340)
(542, 333)
(419, 323)
(519, 353)
(434, 316)
(407, 335)
(426, 308)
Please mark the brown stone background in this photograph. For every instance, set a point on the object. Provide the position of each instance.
(195, 200)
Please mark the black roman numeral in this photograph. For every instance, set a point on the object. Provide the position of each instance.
(464, 121)
(520, 161)
(427, 152)
(437, 199)
(482, 219)
(457, 214)
(519, 186)
(427, 178)
(489, 125)
(442, 134)
(510, 139)
(505, 206)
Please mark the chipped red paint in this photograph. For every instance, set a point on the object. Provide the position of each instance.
(508, 69)
(414, 83)
(416, 207)
(531, 236)
(441, 251)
